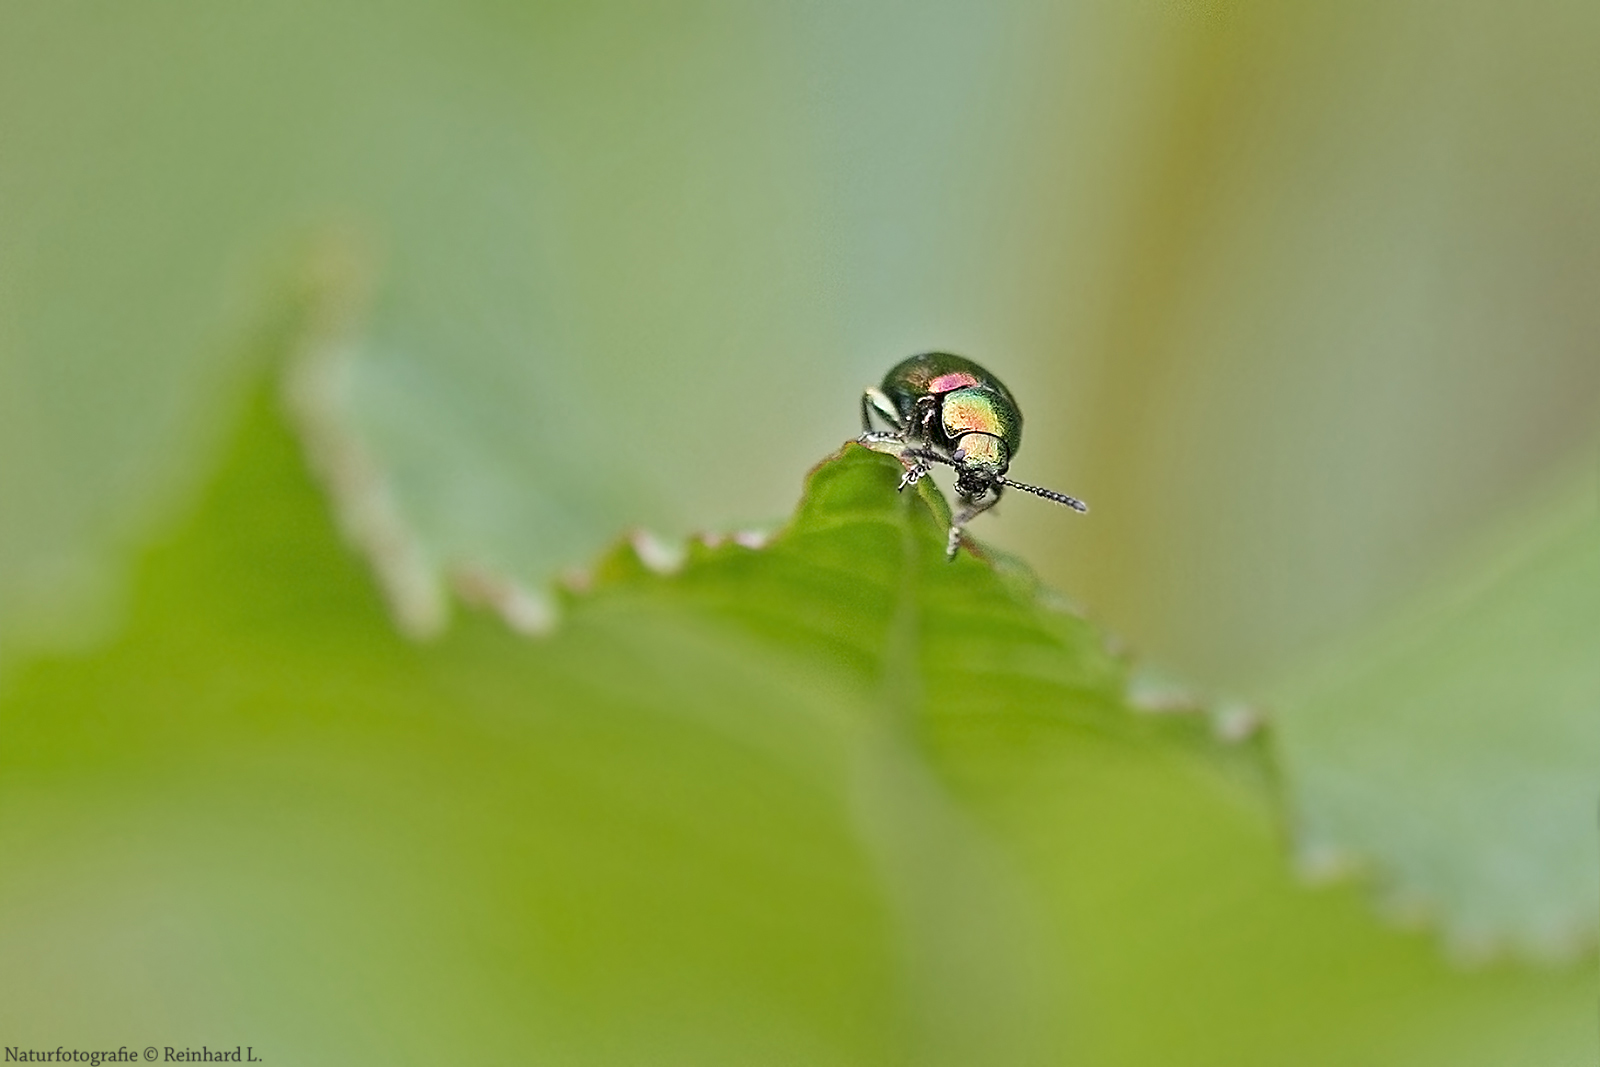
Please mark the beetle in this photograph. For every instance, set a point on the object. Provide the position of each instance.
(944, 408)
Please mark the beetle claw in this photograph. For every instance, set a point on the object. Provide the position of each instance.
(913, 475)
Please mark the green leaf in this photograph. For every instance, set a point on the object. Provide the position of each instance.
(690, 827)
(629, 265)
(597, 242)
(596, 239)
(833, 800)
(1456, 750)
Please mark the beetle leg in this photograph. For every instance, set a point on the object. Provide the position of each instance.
(872, 436)
(972, 509)
(927, 410)
(874, 400)
(913, 475)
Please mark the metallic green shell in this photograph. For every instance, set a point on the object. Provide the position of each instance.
(971, 399)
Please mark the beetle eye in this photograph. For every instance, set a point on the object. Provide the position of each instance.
(959, 454)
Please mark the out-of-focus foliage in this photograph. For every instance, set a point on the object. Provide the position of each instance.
(1297, 296)
(598, 243)
(1348, 326)
(1290, 291)
(829, 801)
(1457, 748)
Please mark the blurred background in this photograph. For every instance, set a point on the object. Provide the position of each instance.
(1300, 298)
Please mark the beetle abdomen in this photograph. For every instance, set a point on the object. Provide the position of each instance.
(936, 373)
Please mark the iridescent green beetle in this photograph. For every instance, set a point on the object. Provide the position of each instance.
(946, 409)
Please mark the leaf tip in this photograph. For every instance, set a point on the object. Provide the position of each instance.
(314, 390)
(529, 612)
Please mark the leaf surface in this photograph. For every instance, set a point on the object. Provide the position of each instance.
(1456, 750)
(832, 800)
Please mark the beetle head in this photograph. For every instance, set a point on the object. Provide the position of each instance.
(980, 460)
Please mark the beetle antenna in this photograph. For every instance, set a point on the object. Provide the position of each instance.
(1049, 494)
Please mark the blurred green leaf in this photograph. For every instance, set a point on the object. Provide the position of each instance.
(160, 162)
(1457, 749)
(690, 827)
(601, 241)
(829, 801)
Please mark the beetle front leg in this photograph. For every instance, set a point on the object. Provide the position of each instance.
(972, 509)
(914, 474)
